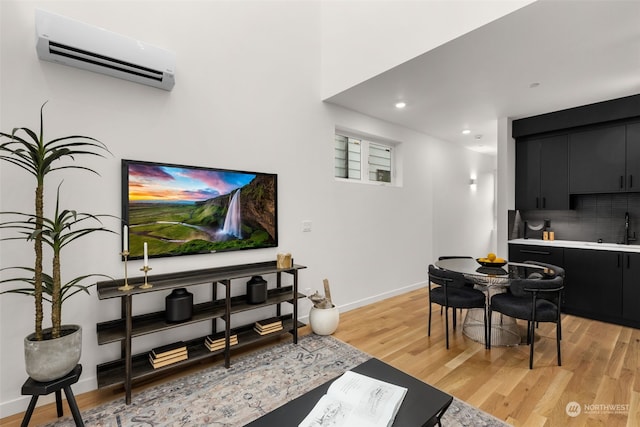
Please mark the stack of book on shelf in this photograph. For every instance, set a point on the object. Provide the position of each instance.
(168, 354)
(268, 326)
(216, 341)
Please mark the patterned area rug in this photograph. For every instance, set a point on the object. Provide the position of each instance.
(254, 385)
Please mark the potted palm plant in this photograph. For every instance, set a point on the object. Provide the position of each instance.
(32, 153)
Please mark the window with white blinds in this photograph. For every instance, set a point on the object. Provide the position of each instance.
(347, 157)
(379, 163)
(362, 160)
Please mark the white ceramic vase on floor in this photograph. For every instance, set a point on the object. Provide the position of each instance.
(324, 321)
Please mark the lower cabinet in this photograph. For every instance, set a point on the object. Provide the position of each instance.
(593, 283)
(546, 254)
(631, 288)
(599, 284)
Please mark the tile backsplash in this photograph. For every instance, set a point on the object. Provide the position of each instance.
(595, 216)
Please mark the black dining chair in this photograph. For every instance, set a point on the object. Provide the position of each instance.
(467, 282)
(550, 270)
(535, 299)
(451, 292)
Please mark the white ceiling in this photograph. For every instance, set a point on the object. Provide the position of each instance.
(580, 52)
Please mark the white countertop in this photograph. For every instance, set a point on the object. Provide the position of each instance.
(618, 247)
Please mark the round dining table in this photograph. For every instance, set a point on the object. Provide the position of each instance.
(490, 280)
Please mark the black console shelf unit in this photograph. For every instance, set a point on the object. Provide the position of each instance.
(130, 367)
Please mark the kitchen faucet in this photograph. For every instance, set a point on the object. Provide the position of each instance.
(628, 238)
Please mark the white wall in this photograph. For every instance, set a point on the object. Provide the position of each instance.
(362, 39)
(247, 97)
(506, 181)
(463, 222)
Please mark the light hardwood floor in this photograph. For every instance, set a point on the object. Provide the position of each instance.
(601, 366)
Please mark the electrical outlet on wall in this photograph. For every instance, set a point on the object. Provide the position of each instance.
(306, 226)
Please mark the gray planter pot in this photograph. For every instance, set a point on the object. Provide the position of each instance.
(51, 359)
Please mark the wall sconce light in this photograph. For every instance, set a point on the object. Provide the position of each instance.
(472, 181)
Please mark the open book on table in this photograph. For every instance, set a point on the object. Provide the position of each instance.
(356, 400)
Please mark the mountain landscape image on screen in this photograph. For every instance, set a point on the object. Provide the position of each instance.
(182, 210)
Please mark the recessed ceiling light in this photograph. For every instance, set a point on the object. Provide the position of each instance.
(466, 132)
(401, 104)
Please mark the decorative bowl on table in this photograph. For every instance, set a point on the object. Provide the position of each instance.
(487, 263)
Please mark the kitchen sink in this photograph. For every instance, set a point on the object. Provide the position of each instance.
(605, 245)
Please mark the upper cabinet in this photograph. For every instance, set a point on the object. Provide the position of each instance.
(633, 156)
(597, 161)
(541, 173)
(589, 149)
(605, 160)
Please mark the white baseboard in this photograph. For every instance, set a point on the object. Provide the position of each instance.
(370, 300)
(382, 296)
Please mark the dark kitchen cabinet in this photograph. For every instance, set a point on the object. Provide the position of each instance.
(541, 173)
(546, 254)
(593, 286)
(633, 157)
(599, 284)
(631, 287)
(598, 161)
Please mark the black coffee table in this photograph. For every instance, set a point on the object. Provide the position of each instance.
(422, 406)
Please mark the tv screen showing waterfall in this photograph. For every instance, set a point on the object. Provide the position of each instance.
(185, 210)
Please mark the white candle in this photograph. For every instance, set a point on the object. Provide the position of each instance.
(146, 256)
(125, 238)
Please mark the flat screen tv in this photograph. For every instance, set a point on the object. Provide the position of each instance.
(185, 210)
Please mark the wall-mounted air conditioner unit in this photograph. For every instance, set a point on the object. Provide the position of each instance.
(74, 43)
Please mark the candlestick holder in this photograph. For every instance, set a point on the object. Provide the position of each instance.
(126, 286)
(146, 270)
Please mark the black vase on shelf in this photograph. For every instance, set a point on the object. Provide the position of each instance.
(179, 305)
(256, 290)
